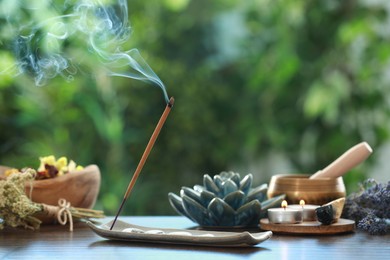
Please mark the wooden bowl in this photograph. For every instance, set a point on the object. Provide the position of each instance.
(299, 187)
(80, 188)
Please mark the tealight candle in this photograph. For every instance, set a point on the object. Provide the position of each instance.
(285, 215)
(308, 211)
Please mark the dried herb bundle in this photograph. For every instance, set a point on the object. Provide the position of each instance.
(17, 210)
(370, 207)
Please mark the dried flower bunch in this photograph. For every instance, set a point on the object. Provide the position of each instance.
(50, 167)
(17, 210)
(370, 207)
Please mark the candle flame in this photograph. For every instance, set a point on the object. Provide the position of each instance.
(284, 204)
(302, 203)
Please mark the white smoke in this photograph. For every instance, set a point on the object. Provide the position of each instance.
(102, 26)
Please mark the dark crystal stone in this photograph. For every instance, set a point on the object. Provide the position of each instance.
(325, 214)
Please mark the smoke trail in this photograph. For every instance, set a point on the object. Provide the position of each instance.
(102, 27)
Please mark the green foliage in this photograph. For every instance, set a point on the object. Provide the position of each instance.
(251, 79)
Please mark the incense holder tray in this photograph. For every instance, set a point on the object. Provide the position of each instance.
(225, 200)
(133, 233)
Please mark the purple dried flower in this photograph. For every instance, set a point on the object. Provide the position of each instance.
(369, 208)
(374, 225)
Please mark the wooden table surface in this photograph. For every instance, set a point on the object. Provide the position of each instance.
(56, 242)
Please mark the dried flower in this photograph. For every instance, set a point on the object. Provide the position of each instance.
(50, 167)
(374, 225)
(370, 207)
(16, 209)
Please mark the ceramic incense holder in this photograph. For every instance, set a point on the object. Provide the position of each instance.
(131, 233)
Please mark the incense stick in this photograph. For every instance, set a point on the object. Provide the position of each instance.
(145, 155)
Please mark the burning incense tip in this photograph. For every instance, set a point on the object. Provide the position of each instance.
(171, 102)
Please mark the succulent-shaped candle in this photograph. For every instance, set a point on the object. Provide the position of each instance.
(225, 200)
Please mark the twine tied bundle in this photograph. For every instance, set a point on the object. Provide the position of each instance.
(61, 212)
(16, 209)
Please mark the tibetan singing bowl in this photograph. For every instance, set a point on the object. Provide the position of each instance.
(299, 187)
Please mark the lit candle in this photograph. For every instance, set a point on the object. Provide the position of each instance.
(285, 215)
(308, 211)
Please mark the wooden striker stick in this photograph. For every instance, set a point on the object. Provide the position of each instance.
(345, 162)
(145, 155)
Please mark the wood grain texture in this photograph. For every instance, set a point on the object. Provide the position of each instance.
(56, 242)
(310, 227)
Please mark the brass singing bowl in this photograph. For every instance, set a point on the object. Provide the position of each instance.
(299, 187)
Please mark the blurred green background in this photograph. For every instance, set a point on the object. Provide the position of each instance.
(261, 87)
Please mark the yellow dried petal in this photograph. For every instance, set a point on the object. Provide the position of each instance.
(72, 166)
(50, 160)
(61, 163)
(79, 167)
(10, 171)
